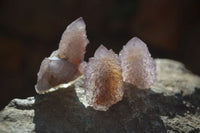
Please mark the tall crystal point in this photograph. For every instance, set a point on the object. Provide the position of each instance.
(138, 68)
(63, 64)
(103, 79)
(73, 42)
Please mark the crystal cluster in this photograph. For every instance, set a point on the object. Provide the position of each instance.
(104, 74)
(63, 64)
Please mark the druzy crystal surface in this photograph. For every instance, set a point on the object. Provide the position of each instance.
(138, 68)
(103, 79)
(63, 64)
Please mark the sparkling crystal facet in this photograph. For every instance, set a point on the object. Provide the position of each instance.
(138, 68)
(103, 79)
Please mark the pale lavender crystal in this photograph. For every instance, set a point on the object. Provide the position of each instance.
(55, 71)
(103, 79)
(138, 67)
(73, 42)
(63, 65)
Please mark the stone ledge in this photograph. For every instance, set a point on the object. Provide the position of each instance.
(171, 105)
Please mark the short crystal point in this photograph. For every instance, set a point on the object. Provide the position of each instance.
(54, 72)
(82, 66)
(103, 79)
(63, 64)
(73, 42)
(138, 67)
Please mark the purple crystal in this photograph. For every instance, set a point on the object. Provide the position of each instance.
(54, 72)
(138, 68)
(103, 79)
(63, 65)
(73, 42)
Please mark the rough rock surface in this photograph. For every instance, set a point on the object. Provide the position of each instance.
(171, 105)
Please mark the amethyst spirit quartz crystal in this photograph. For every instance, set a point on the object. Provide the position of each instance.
(63, 64)
(103, 79)
(138, 68)
(104, 74)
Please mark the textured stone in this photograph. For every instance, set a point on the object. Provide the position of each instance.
(172, 105)
(63, 64)
(138, 68)
(103, 79)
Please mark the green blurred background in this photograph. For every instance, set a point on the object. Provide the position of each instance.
(31, 29)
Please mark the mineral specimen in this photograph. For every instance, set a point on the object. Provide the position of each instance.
(103, 79)
(104, 74)
(138, 68)
(63, 65)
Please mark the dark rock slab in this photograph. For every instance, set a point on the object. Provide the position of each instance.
(171, 105)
